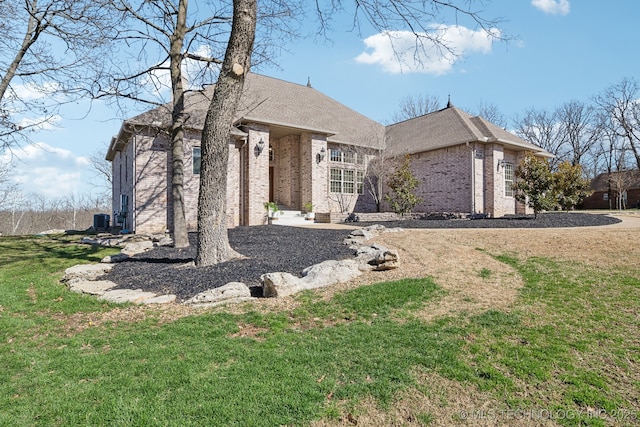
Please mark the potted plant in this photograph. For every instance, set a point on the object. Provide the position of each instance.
(272, 210)
(308, 207)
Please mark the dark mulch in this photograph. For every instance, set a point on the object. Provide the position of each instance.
(271, 248)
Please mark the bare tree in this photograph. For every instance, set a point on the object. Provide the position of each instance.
(491, 113)
(102, 172)
(8, 188)
(417, 15)
(540, 127)
(180, 44)
(620, 102)
(415, 106)
(579, 126)
(49, 50)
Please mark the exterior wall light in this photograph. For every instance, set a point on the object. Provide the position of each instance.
(259, 147)
(320, 156)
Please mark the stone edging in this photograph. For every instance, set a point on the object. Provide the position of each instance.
(85, 278)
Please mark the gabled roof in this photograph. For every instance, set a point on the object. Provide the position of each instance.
(284, 104)
(449, 127)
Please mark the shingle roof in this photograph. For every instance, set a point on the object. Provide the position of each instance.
(273, 101)
(302, 108)
(448, 127)
(631, 179)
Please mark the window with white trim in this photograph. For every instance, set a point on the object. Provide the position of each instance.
(345, 156)
(360, 182)
(508, 179)
(346, 181)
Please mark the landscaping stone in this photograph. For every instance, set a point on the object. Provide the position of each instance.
(324, 274)
(134, 248)
(83, 272)
(121, 296)
(231, 292)
(112, 259)
(92, 287)
(377, 258)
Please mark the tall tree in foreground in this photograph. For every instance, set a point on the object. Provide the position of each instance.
(213, 241)
(168, 28)
(418, 16)
(533, 184)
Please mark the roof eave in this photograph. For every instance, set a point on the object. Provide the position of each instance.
(249, 119)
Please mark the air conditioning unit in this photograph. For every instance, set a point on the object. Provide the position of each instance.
(101, 221)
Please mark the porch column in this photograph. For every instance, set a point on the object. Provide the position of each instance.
(255, 191)
(314, 172)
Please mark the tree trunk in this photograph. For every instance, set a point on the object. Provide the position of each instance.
(30, 37)
(180, 235)
(213, 240)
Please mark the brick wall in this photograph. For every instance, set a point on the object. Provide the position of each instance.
(151, 184)
(286, 171)
(445, 177)
(255, 175)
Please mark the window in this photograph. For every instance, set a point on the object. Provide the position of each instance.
(196, 158)
(336, 180)
(360, 182)
(605, 196)
(347, 181)
(350, 157)
(508, 179)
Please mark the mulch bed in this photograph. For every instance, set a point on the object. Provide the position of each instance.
(271, 248)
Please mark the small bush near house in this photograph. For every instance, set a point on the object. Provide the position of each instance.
(403, 185)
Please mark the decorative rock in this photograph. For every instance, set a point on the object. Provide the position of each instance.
(280, 284)
(164, 241)
(377, 258)
(92, 287)
(134, 248)
(121, 296)
(231, 292)
(317, 276)
(84, 272)
(113, 259)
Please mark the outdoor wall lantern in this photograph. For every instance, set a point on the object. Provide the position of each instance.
(321, 154)
(259, 147)
(501, 163)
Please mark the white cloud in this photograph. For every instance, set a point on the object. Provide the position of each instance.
(401, 51)
(41, 123)
(50, 171)
(552, 7)
(32, 91)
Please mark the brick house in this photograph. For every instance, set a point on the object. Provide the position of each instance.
(292, 144)
(614, 190)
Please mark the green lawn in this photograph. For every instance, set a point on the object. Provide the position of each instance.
(569, 349)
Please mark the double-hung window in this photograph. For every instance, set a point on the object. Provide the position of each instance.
(346, 172)
(508, 180)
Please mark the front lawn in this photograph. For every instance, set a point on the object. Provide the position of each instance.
(566, 352)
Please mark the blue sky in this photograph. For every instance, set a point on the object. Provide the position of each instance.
(563, 50)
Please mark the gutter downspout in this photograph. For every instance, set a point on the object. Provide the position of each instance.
(473, 177)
